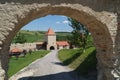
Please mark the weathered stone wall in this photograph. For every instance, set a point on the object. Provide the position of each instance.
(116, 57)
(26, 46)
(100, 19)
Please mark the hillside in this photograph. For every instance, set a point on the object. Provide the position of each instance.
(37, 36)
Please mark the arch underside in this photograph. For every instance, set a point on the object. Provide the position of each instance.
(100, 32)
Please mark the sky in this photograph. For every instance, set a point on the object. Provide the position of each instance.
(57, 23)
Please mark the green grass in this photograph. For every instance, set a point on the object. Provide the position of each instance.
(69, 55)
(82, 63)
(32, 36)
(17, 64)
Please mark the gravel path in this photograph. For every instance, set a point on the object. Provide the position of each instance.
(47, 68)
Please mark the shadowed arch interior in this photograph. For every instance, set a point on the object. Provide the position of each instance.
(52, 48)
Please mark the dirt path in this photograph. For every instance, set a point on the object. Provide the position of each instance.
(47, 68)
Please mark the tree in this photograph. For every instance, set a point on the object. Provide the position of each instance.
(79, 34)
(19, 38)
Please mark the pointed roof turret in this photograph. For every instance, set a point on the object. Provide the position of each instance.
(50, 32)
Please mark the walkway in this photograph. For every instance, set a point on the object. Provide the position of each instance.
(47, 68)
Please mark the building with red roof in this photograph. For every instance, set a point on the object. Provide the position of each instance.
(15, 50)
(62, 44)
(51, 43)
(50, 39)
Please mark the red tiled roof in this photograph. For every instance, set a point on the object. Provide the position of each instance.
(50, 32)
(62, 43)
(15, 50)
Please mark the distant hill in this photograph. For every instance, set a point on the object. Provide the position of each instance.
(37, 36)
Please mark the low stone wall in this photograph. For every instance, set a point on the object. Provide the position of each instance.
(26, 46)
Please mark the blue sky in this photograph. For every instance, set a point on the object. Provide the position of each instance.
(57, 23)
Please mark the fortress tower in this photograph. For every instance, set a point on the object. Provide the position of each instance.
(51, 40)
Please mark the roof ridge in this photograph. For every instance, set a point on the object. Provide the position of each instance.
(50, 32)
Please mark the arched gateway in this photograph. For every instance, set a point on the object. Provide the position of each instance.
(101, 17)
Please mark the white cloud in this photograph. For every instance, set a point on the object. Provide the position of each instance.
(65, 21)
(58, 22)
(63, 16)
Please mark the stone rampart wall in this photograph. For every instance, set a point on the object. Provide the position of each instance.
(26, 46)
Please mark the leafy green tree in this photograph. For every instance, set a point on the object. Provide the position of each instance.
(19, 38)
(79, 34)
(36, 33)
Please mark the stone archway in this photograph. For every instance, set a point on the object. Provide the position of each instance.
(52, 48)
(14, 14)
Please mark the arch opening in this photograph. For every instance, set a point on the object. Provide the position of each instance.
(52, 48)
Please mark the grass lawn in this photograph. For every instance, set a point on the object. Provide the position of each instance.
(82, 63)
(16, 65)
(67, 56)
